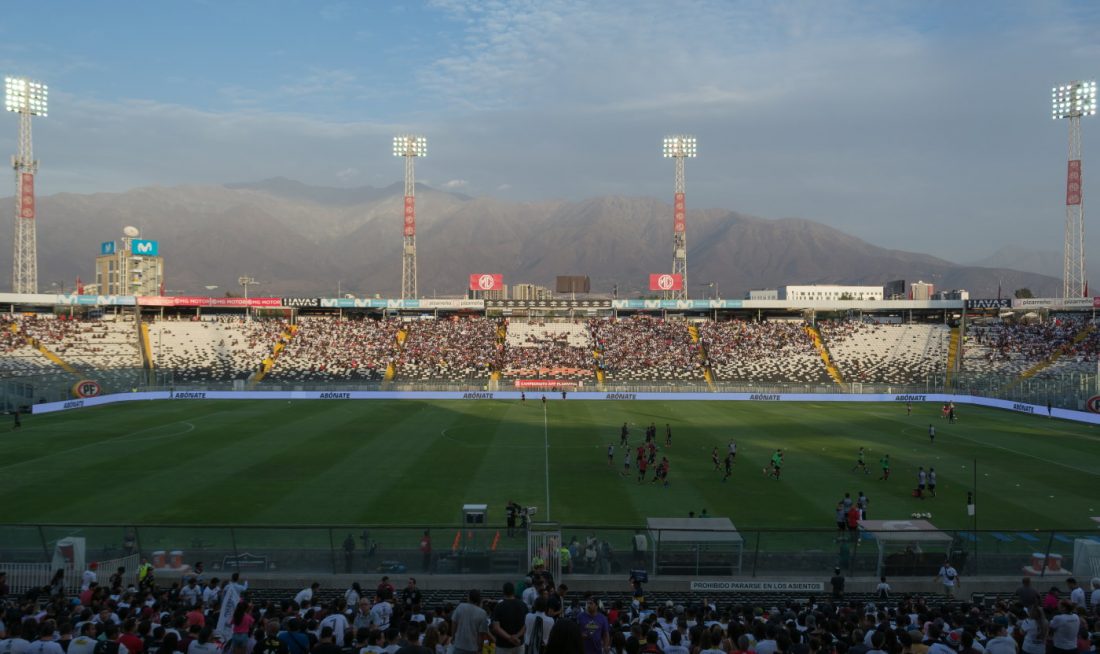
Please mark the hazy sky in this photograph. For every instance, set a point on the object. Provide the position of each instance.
(920, 125)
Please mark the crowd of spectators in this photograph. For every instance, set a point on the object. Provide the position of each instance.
(199, 615)
(548, 351)
(644, 347)
(636, 348)
(1015, 346)
(449, 349)
(774, 351)
(331, 349)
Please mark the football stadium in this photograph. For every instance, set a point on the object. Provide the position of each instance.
(504, 461)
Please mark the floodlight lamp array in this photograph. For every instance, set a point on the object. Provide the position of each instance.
(410, 146)
(22, 95)
(679, 146)
(1073, 99)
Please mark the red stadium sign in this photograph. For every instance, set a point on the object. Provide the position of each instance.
(1073, 183)
(666, 282)
(26, 196)
(486, 282)
(410, 215)
(553, 384)
(195, 301)
(1093, 404)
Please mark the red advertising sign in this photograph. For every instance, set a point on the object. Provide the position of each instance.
(410, 215)
(1096, 303)
(196, 301)
(666, 282)
(679, 213)
(545, 383)
(1073, 182)
(26, 196)
(486, 282)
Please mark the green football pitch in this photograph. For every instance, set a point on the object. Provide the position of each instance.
(416, 462)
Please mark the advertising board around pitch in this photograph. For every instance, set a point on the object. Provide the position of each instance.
(729, 586)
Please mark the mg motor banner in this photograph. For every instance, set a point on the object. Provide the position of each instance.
(666, 282)
(194, 301)
(410, 215)
(26, 196)
(1073, 182)
(678, 213)
(486, 282)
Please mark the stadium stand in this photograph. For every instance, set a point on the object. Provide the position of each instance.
(643, 347)
(773, 351)
(1013, 348)
(17, 356)
(886, 353)
(213, 349)
(450, 349)
(548, 350)
(336, 350)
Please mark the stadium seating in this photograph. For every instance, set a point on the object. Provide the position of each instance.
(213, 349)
(1012, 348)
(334, 350)
(449, 349)
(548, 350)
(774, 351)
(643, 348)
(874, 353)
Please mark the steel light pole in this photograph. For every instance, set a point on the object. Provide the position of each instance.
(679, 147)
(27, 98)
(1072, 101)
(410, 147)
(245, 282)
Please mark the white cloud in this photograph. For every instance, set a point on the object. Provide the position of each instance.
(455, 184)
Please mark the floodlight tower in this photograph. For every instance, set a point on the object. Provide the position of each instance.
(679, 148)
(27, 98)
(410, 147)
(1073, 101)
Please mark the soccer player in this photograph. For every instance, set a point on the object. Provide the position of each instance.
(641, 469)
(714, 457)
(732, 451)
(885, 463)
(729, 467)
(522, 397)
(543, 400)
(931, 434)
(951, 413)
(777, 463)
(932, 481)
(624, 434)
(862, 503)
(626, 462)
(943, 412)
(861, 462)
(920, 482)
(610, 454)
(908, 408)
(653, 450)
(668, 435)
(664, 470)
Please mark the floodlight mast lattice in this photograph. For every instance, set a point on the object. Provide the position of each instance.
(1072, 101)
(27, 98)
(679, 147)
(410, 147)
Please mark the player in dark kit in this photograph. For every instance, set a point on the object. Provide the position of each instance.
(861, 463)
(624, 434)
(908, 408)
(523, 398)
(668, 435)
(641, 470)
(544, 400)
(729, 467)
(714, 457)
(16, 422)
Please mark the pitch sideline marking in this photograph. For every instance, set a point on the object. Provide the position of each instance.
(1092, 473)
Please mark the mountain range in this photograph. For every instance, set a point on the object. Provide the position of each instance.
(305, 240)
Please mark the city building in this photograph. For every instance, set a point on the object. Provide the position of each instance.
(763, 294)
(919, 290)
(819, 292)
(531, 292)
(132, 266)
